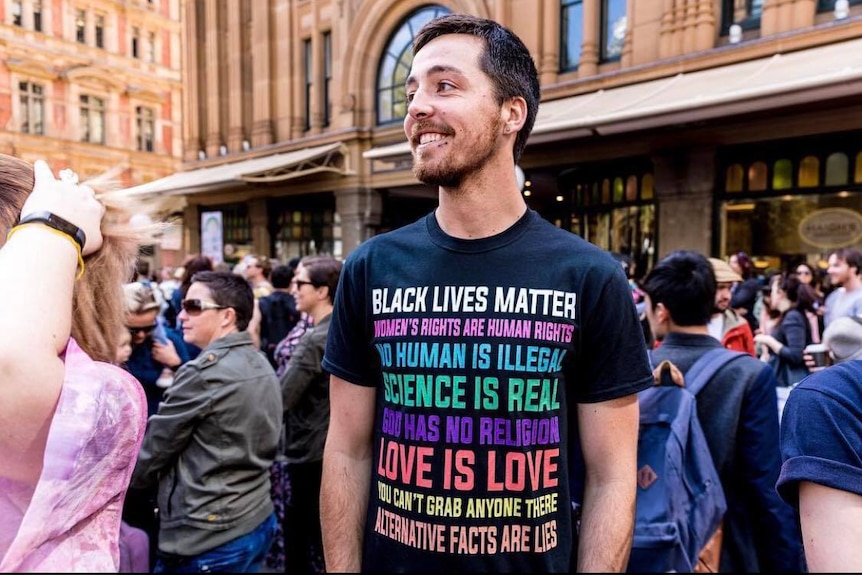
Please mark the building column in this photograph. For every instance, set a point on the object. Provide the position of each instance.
(261, 129)
(214, 136)
(684, 186)
(360, 211)
(191, 120)
(549, 62)
(235, 134)
(589, 64)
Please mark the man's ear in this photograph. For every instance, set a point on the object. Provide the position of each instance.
(514, 114)
(662, 314)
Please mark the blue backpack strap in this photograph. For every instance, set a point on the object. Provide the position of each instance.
(699, 374)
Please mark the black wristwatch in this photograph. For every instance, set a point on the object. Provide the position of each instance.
(58, 223)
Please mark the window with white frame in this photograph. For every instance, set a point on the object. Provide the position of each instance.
(136, 42)
(80, 26)
(37, 15)
(32, 110)
(99, 30)
(92, 119)
(17, 11)
(151, 46)
(145, 119)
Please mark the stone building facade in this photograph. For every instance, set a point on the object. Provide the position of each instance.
(93, 85)
(717, 125)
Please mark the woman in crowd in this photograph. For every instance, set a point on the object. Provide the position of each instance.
(65, 460)
(792, 332)
(809, 275)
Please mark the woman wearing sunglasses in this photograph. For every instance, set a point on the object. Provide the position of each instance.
(305, 395)
(71, 422)
(209, 447)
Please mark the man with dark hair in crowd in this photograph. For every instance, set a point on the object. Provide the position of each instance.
(737, 411)
(278, 313)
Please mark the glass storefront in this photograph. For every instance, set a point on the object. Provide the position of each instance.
(789, 201)
(614, 208)
(304, 225)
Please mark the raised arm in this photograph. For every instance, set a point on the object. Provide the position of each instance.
(38, 267)
(346, 474)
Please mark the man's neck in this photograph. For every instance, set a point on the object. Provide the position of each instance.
(690, 329)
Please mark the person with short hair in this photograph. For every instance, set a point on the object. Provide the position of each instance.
(737, 410)
(476, 344)
(278, 313)
(305, 398)
(725, 324)
(845, 275)
(211, 443)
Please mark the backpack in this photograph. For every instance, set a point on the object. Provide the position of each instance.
(680, 502)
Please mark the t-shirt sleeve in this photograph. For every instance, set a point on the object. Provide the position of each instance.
(821, 439)
(613, 348)
(348, 354)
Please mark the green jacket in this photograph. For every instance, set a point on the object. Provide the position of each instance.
(210, 446)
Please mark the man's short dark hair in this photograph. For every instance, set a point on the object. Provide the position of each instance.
(281, 276)
(684, 282)
(851, 256)
(230, 290)
(505, 59)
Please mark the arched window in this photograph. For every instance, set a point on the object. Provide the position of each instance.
(395, 64)
(782, 178)
(836, 169)
(618, 189)
(733, 182)
(647, 187)
(757, 177)
(631, 188)
(809, 172)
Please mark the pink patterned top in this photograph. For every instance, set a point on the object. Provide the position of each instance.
(70, 520)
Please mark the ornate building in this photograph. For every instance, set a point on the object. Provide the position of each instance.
(718, 125)
(94, 85)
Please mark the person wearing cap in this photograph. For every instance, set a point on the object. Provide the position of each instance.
(821, 443)
(726, 325)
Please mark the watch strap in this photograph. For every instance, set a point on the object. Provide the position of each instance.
(61, 225)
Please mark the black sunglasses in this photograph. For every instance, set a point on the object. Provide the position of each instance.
(300, 283)
(196, 306)
(144, 330)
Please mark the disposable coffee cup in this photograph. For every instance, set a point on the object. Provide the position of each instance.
(819, 353)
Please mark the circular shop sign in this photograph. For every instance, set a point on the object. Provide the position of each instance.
(831, 228)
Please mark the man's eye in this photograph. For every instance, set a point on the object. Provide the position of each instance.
(409, 97)
(443, 86)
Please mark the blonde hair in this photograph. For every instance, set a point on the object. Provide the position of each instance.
(98, 301)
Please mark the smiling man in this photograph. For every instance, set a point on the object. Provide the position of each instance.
(456, 310)
(211, 443)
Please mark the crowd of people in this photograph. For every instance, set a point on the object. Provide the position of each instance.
(423, 405)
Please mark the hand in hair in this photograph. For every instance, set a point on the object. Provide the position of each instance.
(73, 202)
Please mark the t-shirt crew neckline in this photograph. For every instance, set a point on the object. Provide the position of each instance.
(504, 238)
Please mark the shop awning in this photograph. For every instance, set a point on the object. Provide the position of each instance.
(805, 76)
(266, 169)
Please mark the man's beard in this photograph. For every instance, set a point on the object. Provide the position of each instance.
(449, 174)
